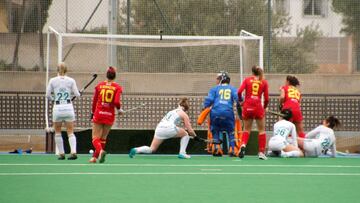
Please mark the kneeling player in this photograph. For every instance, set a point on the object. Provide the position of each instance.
(320, 140)
(280, 143)
(168, 128)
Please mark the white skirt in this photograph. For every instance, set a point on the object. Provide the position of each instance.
(166, 131)
(277, 143)
(312, 148)
(63, 112)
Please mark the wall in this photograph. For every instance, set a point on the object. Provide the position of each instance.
(184, 83)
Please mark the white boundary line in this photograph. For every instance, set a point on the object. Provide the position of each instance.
(171, 173)
(187, 165)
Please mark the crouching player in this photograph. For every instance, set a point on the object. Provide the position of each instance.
(106, 98)
(321, 139)
(221, 99)
(280, 144)
(169, 128)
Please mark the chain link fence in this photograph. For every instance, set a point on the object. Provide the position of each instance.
(300, 36)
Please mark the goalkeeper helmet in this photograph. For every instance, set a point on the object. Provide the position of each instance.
(223, 77)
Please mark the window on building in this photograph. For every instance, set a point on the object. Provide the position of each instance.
(281, 7)
(315, 7)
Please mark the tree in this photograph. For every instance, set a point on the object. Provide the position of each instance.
(32, 17)
(350, 10)
(212, 17)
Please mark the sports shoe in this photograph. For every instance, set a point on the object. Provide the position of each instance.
(274, 153)
(92, 160)
(217, 154)
(72, 157)
(132, 153)
(28, 151)
(232, 155)
(242, 152)
(61, 157)
(262, 156)
(184, 156)
(102, 156)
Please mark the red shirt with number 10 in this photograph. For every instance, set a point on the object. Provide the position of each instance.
(106, 98)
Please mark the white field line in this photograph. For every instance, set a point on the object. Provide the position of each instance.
(183, 173)
(187, 165)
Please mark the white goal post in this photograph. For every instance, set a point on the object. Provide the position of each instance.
(65, 40)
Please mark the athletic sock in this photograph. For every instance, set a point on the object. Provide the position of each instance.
(143, 150)
(97, 145)
(290, 154)
(245, 138)
(262, 142)
(59, 143)
(184, 143)
(72, 143)
(301, 134)
(103, 143)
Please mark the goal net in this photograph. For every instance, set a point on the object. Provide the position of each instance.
(155, 64)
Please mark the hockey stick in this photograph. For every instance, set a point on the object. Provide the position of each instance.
(135, 108)
(275, 113)
(200, 139)
(87, 85)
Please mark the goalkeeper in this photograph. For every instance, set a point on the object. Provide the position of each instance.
(221, 99)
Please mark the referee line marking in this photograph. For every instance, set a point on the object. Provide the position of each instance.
(182, 173)
(186, 165)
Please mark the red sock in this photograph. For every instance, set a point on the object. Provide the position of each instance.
(262, 142)
(301, 134)
(97, 145)
(103, 143)
(245, 137)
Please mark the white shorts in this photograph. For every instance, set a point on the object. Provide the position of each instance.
(312, 148)
(63, 112)
(166, 131)
(277, 143)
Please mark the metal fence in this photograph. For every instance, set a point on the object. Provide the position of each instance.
(25, 110)
(300, 36)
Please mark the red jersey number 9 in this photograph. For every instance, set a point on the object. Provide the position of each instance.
(107, 95)
(293, 93)
(255, 89)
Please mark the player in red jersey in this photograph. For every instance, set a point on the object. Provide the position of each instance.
(290, 98)
(255, 86)
(106, 98)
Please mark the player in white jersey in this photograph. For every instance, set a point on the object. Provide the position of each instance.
(63, 87)
(284, 140)
(169, 128)
(321, 139)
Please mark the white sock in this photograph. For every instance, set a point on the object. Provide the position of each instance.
(184, 143)
(72, 143)
(59, 143)
(290, 154)
(144, 150)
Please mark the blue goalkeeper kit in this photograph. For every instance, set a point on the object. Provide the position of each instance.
(221, 99)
